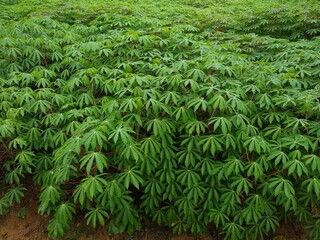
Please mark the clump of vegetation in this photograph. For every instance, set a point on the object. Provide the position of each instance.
(163, 115)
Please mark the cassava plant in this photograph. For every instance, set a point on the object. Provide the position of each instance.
(131, 116)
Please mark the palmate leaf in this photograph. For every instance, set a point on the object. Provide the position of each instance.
(258, 202)
(126, 218)
(197, 74)
(151, 145)
(196, 103)
(206, 166)
(25, 157)
(274, 116)
(15, 194)
(90, 46)
(179, 227)
(295, 123)
(149, 164)
(160, 126)
(278, 156)
(265, 101)
(14, 176)
(185, 205)
(314, 228)
(285, 101)
(233, 230)
(13, 52)
(218, 217)
(233, 165)
(64, 213)
(73, 144)
(90, 187)
(59, 138)
(55, 119)
(128, 104)
(150, 202)
(195, 193)
(296, 141)
(229, 141)
(6, 128)
(312, 185)
(159, 217)
(50, 194)
(218, 102)
(14, 67)
(56, 56)
(257, 144)
(85, 99)
(280, 185)
(188, 157)
(296, 166)
(194, 126)
(193, 84)
(106, 52)
(233, 199)
(5, 106)
(171, 190)
(93, 138)
(64, 173)
(131, 176)
(241, 184)
(221, 122)
(131, 151)
(274, 130)
(181, 65)
(95, 215)
(239, 120)
(270, 222)
(238, 105)
(94, 158)
(288, 203)
(155, 107)
(250, 215)
(154, 187)
(41, 105)
(313, 160)
(55, 229)
(122, 133)
(255, 169)
(188, 177)
(213, 143)
(115, 189)
(18, 143)
(133, 119)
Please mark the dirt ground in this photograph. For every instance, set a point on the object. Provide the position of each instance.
(24, 223)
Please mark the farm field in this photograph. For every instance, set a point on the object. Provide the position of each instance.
(168, 119)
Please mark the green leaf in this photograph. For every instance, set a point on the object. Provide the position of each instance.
(97, 159)
(280, 185)
(131, 176)
(93, 138)
(211, 143)
(15, 194)
(95, 215)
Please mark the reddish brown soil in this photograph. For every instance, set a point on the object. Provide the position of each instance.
(289, 232)
(23, 223)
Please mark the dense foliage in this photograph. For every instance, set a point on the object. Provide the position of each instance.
(168, 115)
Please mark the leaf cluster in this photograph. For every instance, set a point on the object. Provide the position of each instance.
(127, 117)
